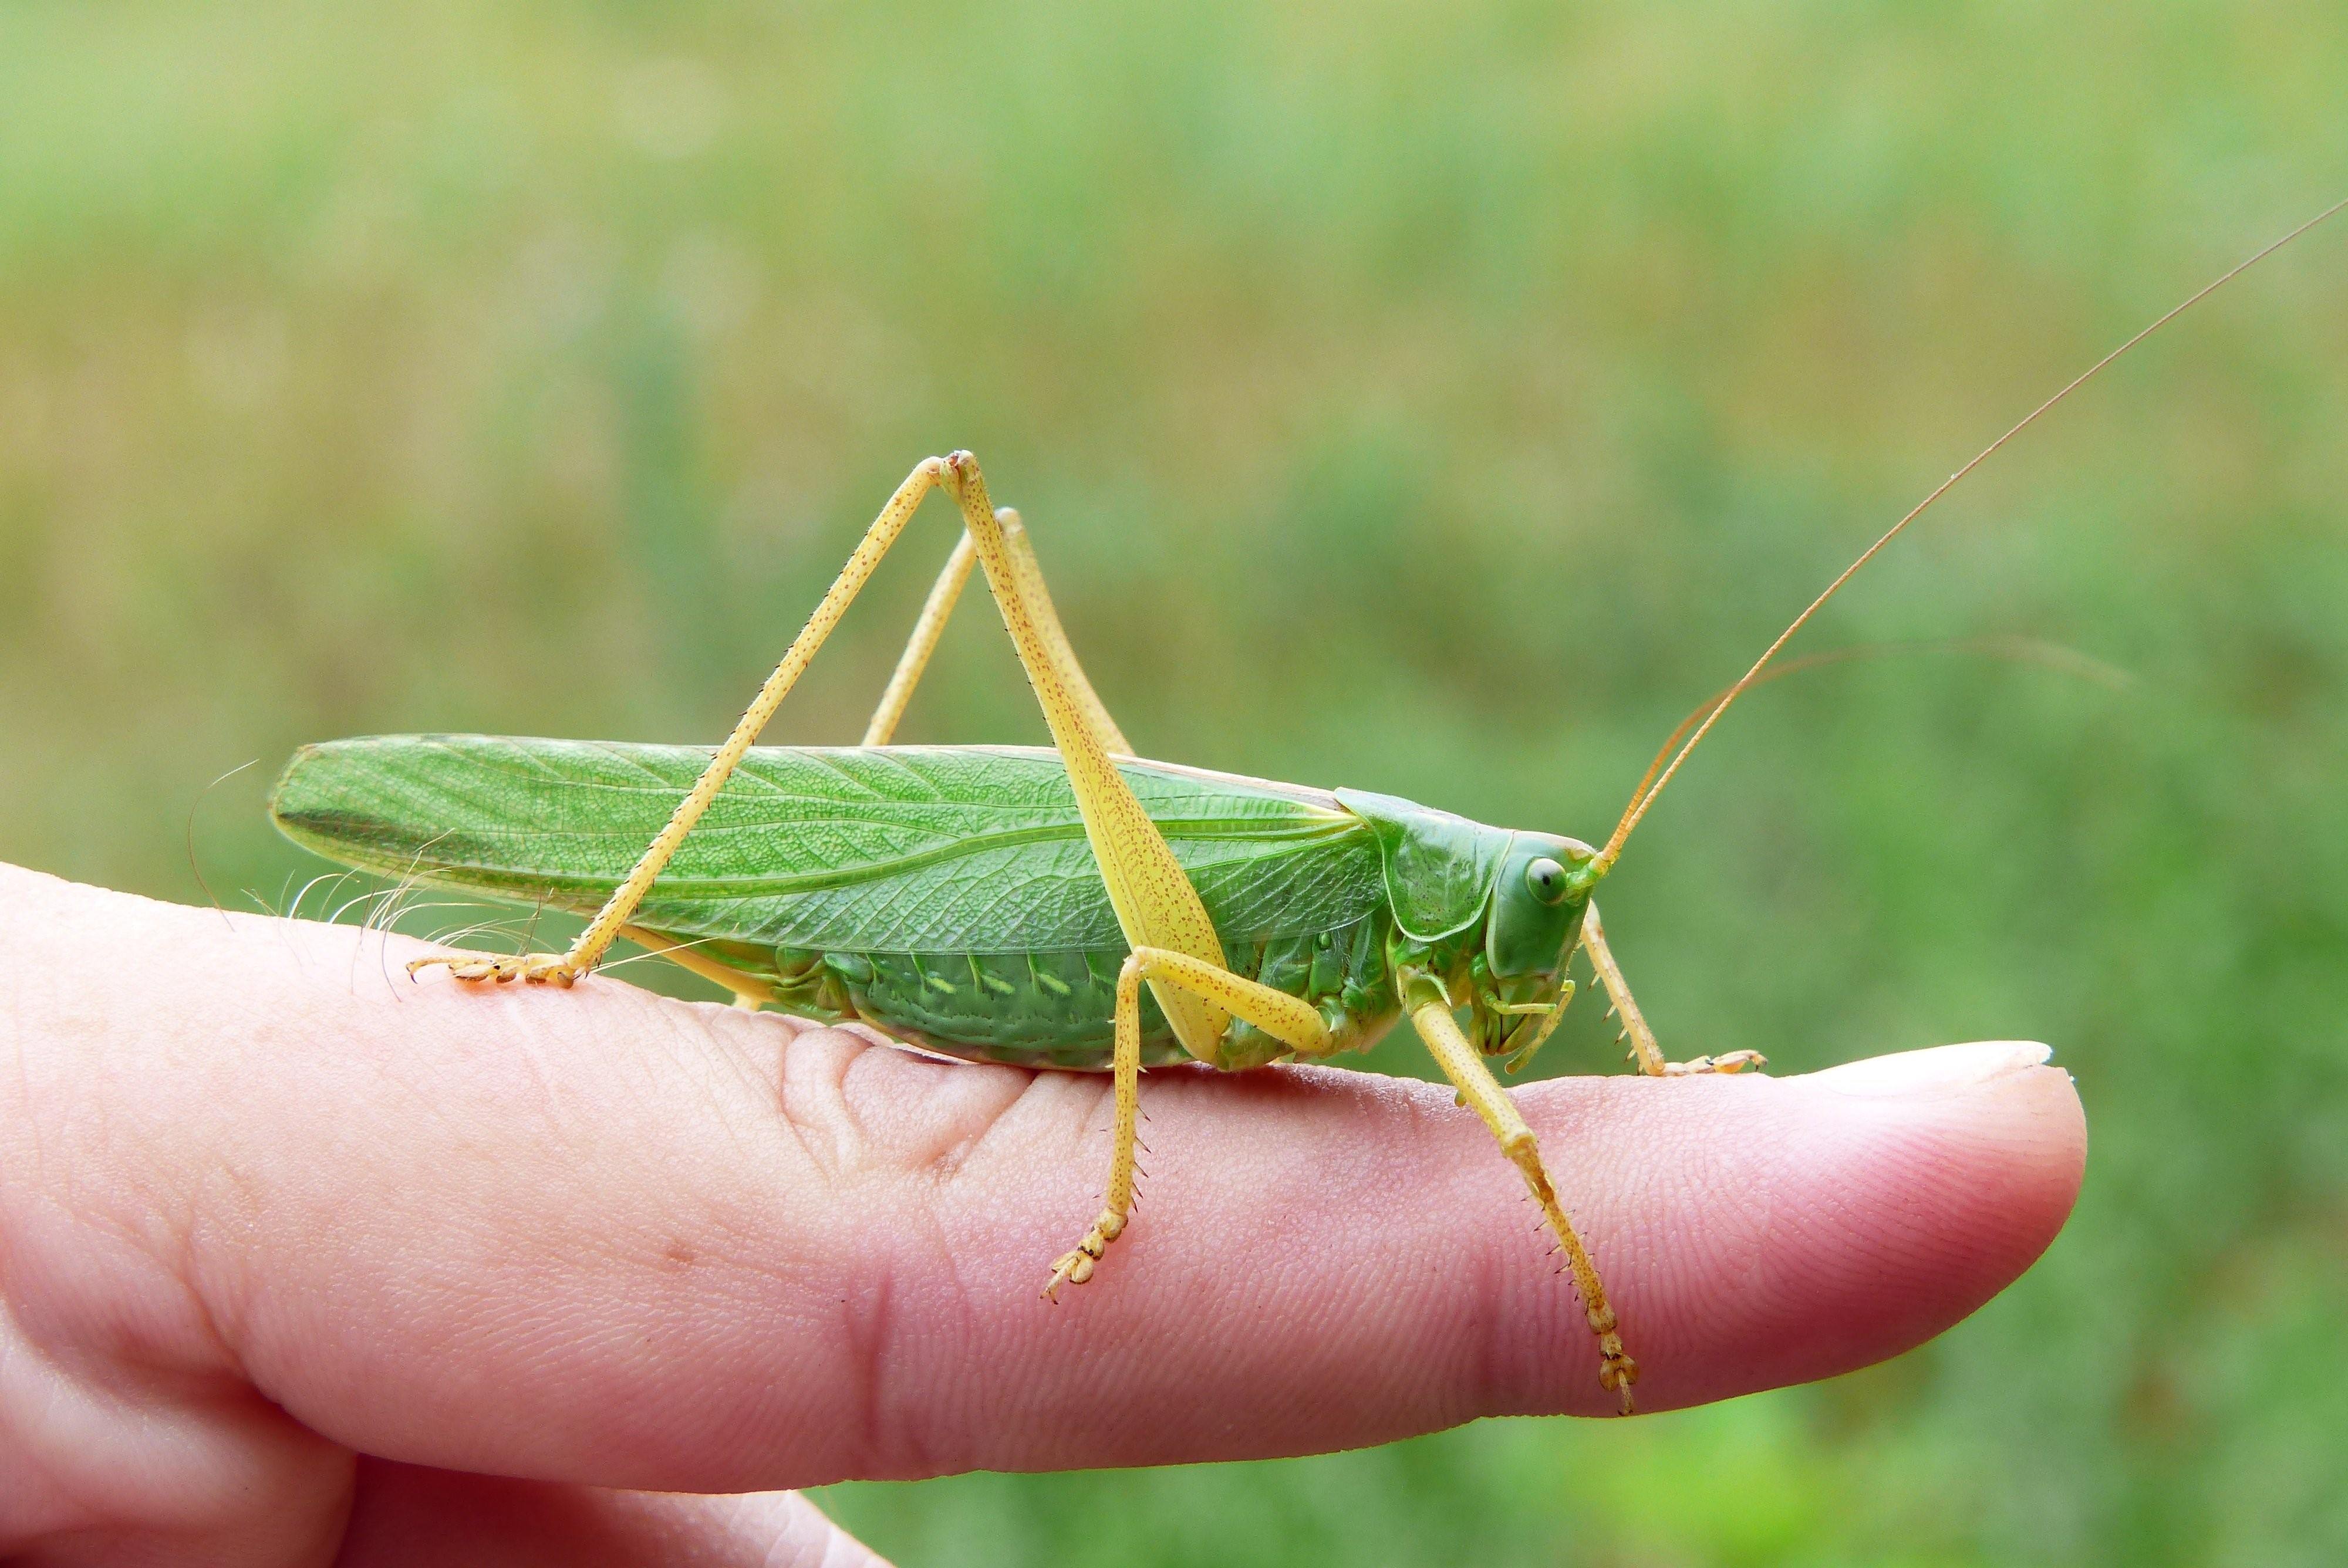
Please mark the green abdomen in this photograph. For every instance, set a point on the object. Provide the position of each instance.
(1057, 1010)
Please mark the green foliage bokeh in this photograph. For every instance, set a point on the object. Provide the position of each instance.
(1438, 399)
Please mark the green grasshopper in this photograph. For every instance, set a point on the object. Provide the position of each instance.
(1072, 908)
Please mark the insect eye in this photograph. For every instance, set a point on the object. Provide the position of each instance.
(1546, 877)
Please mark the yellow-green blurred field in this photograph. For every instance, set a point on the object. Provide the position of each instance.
(1438, 399)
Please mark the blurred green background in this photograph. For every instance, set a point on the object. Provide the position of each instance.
(1435, 398)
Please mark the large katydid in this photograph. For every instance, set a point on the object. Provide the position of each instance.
(1071, 907)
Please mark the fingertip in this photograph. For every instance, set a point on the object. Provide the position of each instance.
(1859, 1212)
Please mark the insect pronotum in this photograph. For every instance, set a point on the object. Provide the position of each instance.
(1072, 907)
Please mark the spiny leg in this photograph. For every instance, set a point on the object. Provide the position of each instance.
(1075, 1267)
(1476, 1086)
(1649, 1055)
(1289, 1019)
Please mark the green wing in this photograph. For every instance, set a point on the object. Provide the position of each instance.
(894, 849)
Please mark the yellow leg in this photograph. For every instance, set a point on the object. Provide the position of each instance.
(750, 992)
(1155, 903)
(1480, 1090)
(1286, 1018)
(1055, 637)
(940, 608)
(1643, 1049)
(931, 625)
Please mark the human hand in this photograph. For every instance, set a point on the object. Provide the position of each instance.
(302, 1262)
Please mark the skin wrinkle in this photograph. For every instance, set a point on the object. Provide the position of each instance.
(984, 1099)
(974, 1097)
(1318, 1263)
(24, 1361)
(963, 1328)
(815, 1068)
(929, 1423)
(187, 1473)
(698, 1054)
(954, 1157)
(785, 1113)
(868, 1324)
(869, 1330)
(744, 1221)
(851, 1139)
(225, 1216)
(173, 1327)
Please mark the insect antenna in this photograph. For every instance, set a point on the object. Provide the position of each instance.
(2019, 649)
(1658, 772)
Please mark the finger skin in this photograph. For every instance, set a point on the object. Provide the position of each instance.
(409, 1516)
(601, 1237)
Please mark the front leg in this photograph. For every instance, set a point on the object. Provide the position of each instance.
(1643, 1049)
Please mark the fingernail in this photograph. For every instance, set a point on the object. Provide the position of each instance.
(1935, 1072)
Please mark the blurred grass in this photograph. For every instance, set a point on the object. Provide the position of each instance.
(1437, 399)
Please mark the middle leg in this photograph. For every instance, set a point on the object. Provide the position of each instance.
(1290, 1019)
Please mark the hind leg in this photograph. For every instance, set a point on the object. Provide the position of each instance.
(931, 625)
(1153, 900)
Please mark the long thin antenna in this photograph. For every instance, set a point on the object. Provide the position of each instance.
(2020, 650)
(1644, 796)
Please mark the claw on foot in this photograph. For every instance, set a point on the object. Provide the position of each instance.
(1616, 1370)
(1734, 1061)
(1618, 1374)
(530, 968)
(1076, 1267)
